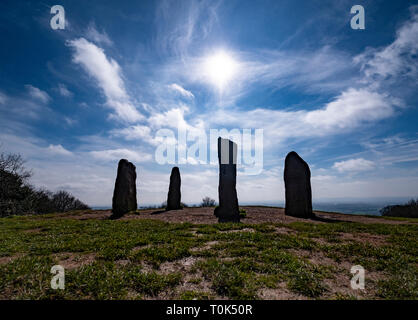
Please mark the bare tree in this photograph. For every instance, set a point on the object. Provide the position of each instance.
(14, 164)
(207, 202)
(64, 201)
(17, 196)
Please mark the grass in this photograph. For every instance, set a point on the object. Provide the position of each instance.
(138, 259)
(242, 213)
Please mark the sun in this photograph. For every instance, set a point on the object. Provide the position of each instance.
(220, 68)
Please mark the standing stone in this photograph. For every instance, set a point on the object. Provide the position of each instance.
(124, 195)
(228, 210)
(297, 183)
(174, 194)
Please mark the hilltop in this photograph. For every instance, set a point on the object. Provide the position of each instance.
(186, 254)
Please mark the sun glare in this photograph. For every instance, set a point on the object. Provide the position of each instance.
(220, 69)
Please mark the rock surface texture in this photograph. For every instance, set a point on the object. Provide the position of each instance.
(174, 194)
(297, 182)
(124, 195)
(228, 210)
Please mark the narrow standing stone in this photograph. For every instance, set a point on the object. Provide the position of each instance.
(228, 210)
(124, 195)
(174, 194)
(297, 182)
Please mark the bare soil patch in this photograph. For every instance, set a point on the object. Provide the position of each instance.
(279, 293)
(238, 230)
(191, 282)
(35, 230)
(8, 259)
(208, 245)
(71, 261)
(373, 239)
(338, 285)
(205, 215)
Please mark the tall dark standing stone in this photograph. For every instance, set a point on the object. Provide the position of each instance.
(124, 195)
(174, 194)
(228, 210)
(297, 183)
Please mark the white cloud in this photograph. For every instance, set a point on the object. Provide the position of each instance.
(392, 150)
(117, 154)
(179, 24)
(133, 132)
(354, 165)
(38, 94)
(397, 58)
(325, 68)
(347, 111)
(137, 132)
(173, 118)
(58, 150)
(98, 37)
(70, 121)
(108, 76)
(352, 108)
(23, 107)
(63, 90)
(181, 90)
(322, 70)
(321, 178)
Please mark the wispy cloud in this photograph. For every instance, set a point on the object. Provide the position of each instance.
(306, 97)
(38, 94)
(117, 154)
(99, 37)
(320, 71)
(137, 133)
(133, 132)
(179, 89)
(173, 118)
(108, 76)
(30, 105)
(63, 90)
(354, 165)
(180, 24)
(58, 150)
(347, 111)
(398, 58)
(351, 109)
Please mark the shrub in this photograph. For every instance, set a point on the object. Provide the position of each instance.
(408, 210)
(17, 196)
(207, 202)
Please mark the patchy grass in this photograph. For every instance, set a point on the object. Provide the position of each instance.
(125, 259)
(242, 213)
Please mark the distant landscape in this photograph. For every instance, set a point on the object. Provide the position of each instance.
(371, 208)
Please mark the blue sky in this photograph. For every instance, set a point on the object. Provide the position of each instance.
(75, 101)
